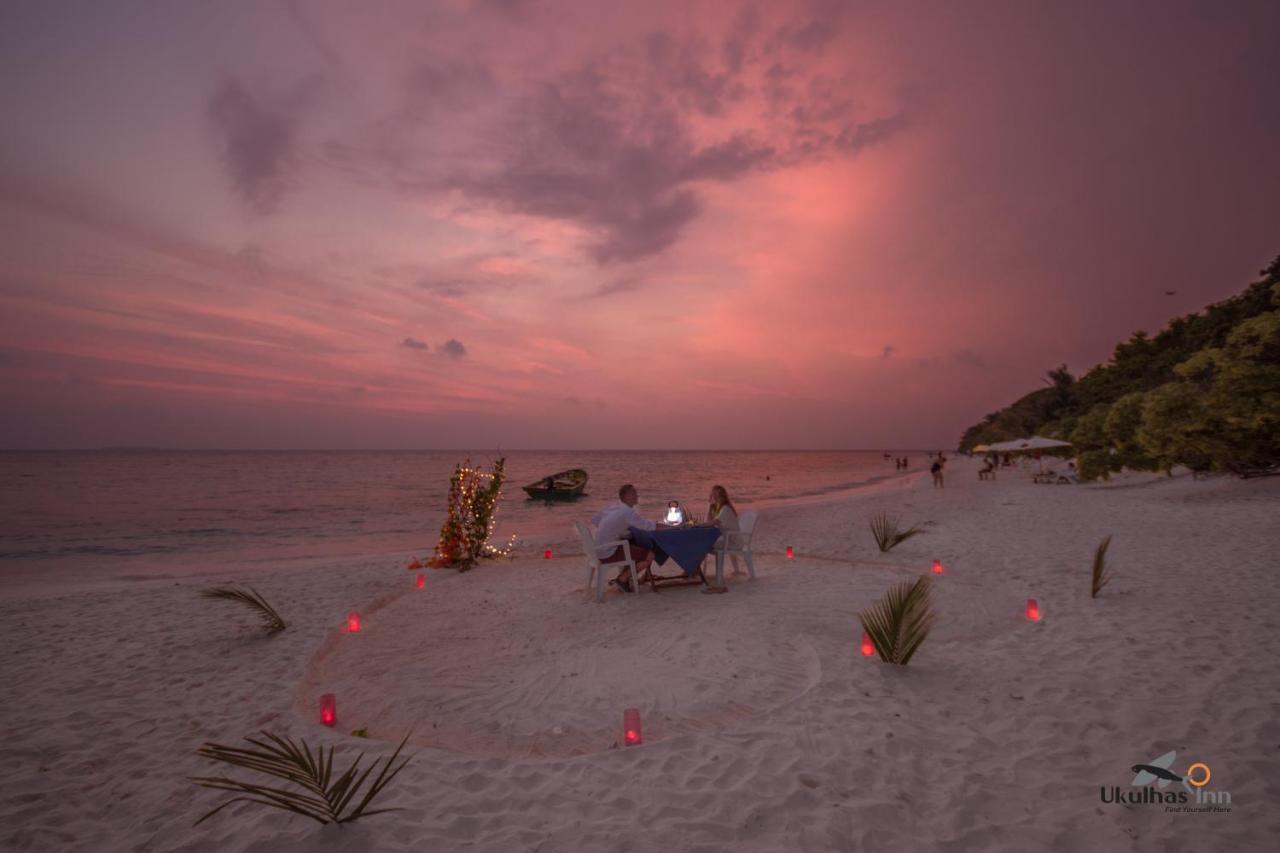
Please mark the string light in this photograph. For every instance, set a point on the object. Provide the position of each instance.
(472, 517)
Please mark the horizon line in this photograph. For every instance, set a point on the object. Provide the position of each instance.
(149, 449)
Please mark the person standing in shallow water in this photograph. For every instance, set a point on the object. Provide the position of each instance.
(936, 470)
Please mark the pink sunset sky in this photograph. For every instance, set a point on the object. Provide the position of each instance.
(595, 225)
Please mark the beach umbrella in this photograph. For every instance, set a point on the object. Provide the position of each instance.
(981, 448)
(1034, 443)
(1038, 443)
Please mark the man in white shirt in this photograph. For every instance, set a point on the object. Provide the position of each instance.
(611, 525)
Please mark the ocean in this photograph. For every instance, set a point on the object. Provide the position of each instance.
(116, 511)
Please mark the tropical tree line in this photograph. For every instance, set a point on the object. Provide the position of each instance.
(1204, 392)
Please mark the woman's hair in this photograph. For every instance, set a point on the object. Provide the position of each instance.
(721, 500)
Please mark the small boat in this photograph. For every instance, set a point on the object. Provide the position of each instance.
(565, 485)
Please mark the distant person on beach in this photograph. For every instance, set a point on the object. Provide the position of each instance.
(936, 470)
(611, 525)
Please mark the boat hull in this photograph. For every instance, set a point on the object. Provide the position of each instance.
(564, 486)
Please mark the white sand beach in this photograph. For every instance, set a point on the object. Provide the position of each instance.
(764, 728)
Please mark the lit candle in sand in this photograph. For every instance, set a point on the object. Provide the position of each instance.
(631, 727)
(328, 709)
(546, 555)
(937, 567)
(868, 648)
(422, 581)
(1033, 610)
(790, 552)
(353, 622)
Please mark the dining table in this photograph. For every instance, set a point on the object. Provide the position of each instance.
(686, 546)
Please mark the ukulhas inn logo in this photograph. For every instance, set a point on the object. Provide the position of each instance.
(1152, 778)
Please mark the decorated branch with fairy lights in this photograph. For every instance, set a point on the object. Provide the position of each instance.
(473, 512)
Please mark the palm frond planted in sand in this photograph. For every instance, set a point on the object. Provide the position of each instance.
(1101, 577)
(899, 622)
(271, 620)
(887, 533)
(322, 797)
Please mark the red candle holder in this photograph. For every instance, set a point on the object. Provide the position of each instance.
(790, 552)
(937, 567)
(631, 733)
(546, 555)
(328, 709)
(1033, 610)
(421, 581)
(868, 648)
(353, 622)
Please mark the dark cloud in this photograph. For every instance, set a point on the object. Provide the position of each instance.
(616, 144)
(621, 169)
(726, 160)
(858, 136)
(619, 285)
(681, 72)
(258, 145)
(413, 343)
(453, 85)
(453, 348)
(888, 351)
(810, 37)
(738, 42)
(582, 163)
(969, 358)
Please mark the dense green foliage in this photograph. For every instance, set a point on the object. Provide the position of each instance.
(1204, 392)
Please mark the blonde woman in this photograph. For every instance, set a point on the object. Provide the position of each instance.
(722, 514)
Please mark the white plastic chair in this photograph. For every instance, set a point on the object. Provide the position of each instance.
(735, 543)
(596, 568)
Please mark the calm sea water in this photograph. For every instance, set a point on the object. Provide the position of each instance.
(123, 509)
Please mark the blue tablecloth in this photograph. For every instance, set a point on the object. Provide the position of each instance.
(686, 545)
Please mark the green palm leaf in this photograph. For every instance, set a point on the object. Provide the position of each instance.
(322, 797)
(887, 532)
(1101, 577)
(899, 622)
(271, 620)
